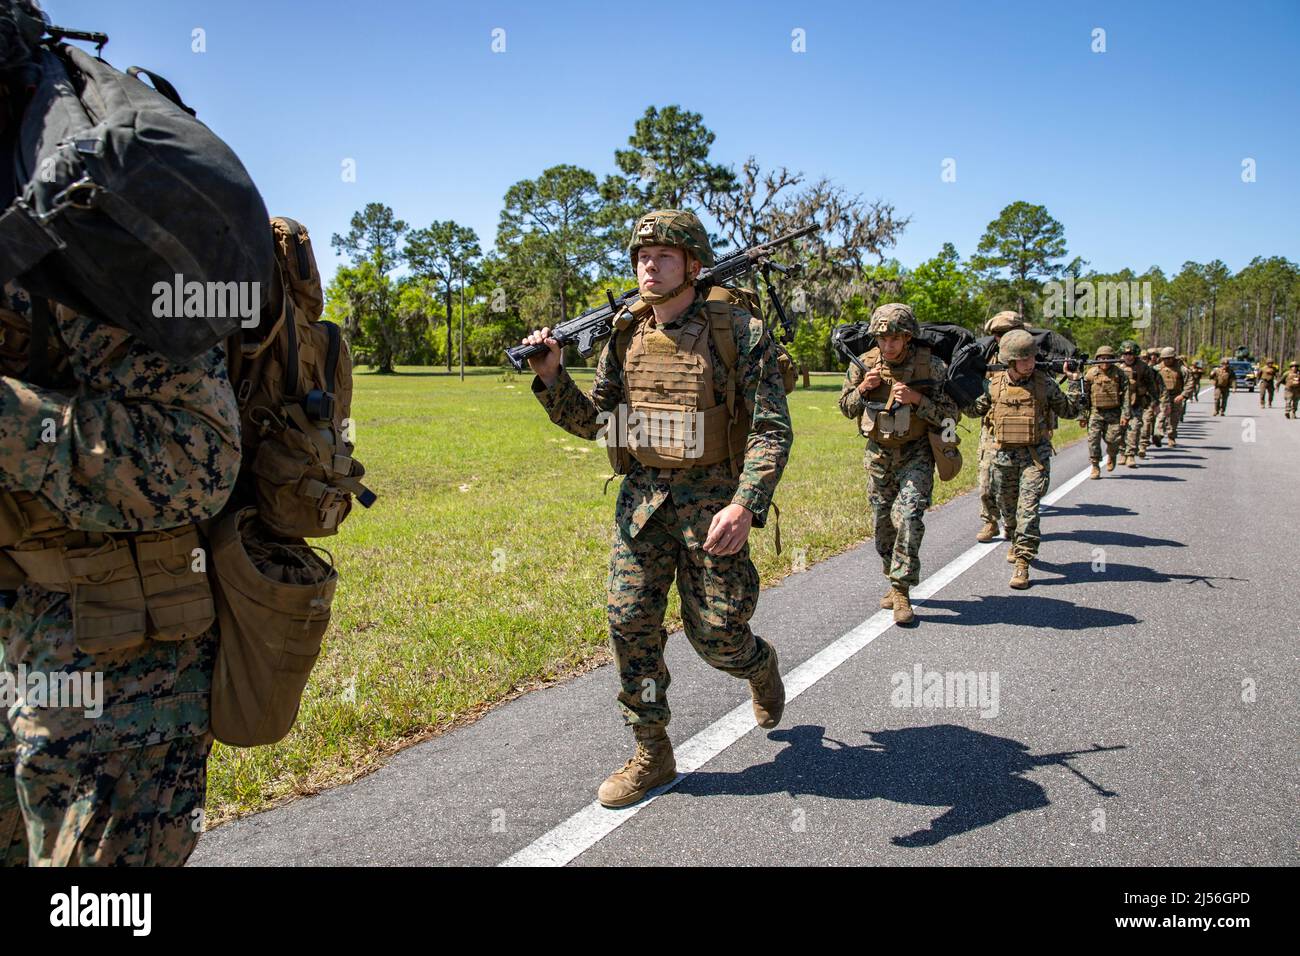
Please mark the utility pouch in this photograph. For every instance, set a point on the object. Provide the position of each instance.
(273, 602)
(108, 606)
(177, 598)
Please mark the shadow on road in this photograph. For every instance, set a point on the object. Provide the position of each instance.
(1140, 477)
(978, 776)
(1086, 510)
(1119, 539)
(1079, 571)
(1026, 610)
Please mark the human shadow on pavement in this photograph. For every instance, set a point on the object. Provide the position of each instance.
(1149, 477)
(1086, 510)
(1118, 539)
(1026, 610)
(1163, 463)
(978, 776)
(1079, 571)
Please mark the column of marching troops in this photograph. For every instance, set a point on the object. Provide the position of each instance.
(699, 351)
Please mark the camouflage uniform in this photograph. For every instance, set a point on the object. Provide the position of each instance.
(1136, 435)
(1291, 381)
(1104, 423)
(900, 481)
(1021, 475)
(662, 520)
(140, 443)
(1171, 412)
(1267, 382)
(1223, 378)
(997, 326)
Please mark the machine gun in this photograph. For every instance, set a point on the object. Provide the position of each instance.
(595, 325)
(1064, 758)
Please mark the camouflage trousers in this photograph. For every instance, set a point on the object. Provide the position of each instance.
(1020, 479)
(1168, 419)
(718, 595)
(988, 501)
(1137, 436)
(1104, 424)
(122, 782)
(1221, 400)
(1266, 388)
(1292, 401)
(900, 483)
(1149, 423)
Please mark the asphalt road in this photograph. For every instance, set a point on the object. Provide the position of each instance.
(1161, 627)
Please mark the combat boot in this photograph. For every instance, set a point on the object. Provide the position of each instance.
(1011, 554)
(902, 607)
(988, 532)
(1142, 454)
(651, 766)
(768, 693)
(1096, 472)
(1110, 463)
(1020, 577)
(1130, 461)
(1156, 440)
(1173, 443)
(887, 602)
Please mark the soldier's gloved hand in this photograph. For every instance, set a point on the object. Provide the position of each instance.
(547, 366)
(872, 380)
(729, 530)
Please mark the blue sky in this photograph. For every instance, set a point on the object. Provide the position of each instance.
(1138, 150)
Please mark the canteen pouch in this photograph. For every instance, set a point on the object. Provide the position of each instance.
(273, 603)
(177, 598)
(108, 605)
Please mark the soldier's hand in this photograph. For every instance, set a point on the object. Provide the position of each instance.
(872, 380)
(905, 395)
(1178, 400)
(729, 530)
(547, 366)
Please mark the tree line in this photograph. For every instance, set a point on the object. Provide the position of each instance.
(406, 293)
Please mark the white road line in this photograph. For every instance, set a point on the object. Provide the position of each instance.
(594, 822)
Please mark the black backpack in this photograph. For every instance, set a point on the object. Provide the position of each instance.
(952, 343)
(120, 189)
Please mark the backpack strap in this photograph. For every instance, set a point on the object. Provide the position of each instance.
(38, 355)
(332, 356)
(161, 85)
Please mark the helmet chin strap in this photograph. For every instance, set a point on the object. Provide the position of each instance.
(655, 298)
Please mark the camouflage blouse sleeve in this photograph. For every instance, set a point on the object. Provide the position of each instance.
(981, 406)
(1065, 404)
(1125, 407)
(771, 434)
(576, 412)
(852, 402)
(937, 409)
(142, 444)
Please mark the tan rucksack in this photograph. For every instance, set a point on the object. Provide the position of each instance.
(273, 591)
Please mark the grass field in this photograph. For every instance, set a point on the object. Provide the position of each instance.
(480, 571)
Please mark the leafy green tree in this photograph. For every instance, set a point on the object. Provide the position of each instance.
(667, 166)
(941, 290)
(443, 253)
(554, 235)
(372, 239)
(1019, 247)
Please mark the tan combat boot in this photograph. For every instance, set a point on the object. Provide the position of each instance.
(1110, 463)
(988, 532)
(1020, 577)
(1142, 454)
(1011, 554)
(1173, 443)
(1096, 471)
(902, 607)
(887, 602)
(651, 766)
(1130, 461)
(768, 693)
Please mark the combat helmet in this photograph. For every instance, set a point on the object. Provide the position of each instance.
(1128, 347)
(1003, 322)
(893, 317)
(1224, 360)
(1016, 344)
(1168, 352)
(1105, 354)
(678, 228)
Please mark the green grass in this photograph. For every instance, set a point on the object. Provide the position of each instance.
(480, 571)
